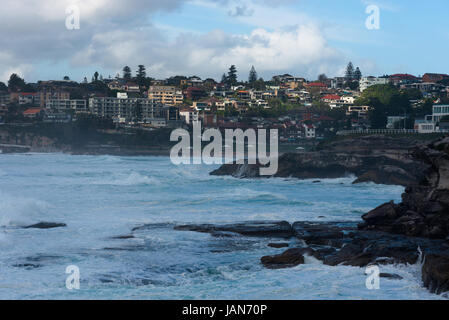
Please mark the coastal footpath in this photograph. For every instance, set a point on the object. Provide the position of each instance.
(415, 230)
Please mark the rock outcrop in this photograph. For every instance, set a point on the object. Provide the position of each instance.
(342, 243)
(45, 225)
(287, 259)
(273, 229)
(376, 159)
(424, 210)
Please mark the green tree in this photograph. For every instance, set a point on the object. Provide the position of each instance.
(252, 76)
(224, 79)
(322, 77)
(357, 74)
(232, 76)
(96, 76)
(385, 100)
(127, 73)
(15, 83)
(349, 75)
(3, 87)
(377, 114)
(141, 75)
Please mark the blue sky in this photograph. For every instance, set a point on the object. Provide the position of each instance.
(203, 37)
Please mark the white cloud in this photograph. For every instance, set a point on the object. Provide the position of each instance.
(115, 33)
(302, 50)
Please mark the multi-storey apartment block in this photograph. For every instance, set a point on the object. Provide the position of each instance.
(125, 109)
(166, 95)
(65, 105)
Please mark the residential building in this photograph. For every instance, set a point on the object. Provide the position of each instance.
(189, 115)
(333, 100)
(434, 77)
(126, 109)
(361, 111)
(425, 87)
(394, 121)
(338, 82)
(166, 95)
(424, 126)
(49, 93)
(402, 78)
(439, 111)
(5, 98)
(65, 105)
(367, 82)
(309, 131)
(32, 113)
(195, 93)
(26, 98)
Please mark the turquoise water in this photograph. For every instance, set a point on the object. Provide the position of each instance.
(100, 197)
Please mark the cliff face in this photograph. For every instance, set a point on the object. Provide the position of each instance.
(424, 210)
(378, 159)
(34, 142)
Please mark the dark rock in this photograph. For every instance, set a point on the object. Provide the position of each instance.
(27, 265)
(128, 236)
(390, 276)
(287, 259)
(278, 245)
(271, 229)
(435, 273)
(384, 212)
(46, 225)
(377, 159)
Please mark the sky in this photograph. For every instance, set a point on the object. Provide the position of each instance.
(304, 38)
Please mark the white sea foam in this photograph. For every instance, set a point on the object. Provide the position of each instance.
(131, 179)
(18, 211)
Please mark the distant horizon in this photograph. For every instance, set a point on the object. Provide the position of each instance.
(218, 80)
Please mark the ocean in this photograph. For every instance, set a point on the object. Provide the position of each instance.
(103, 197)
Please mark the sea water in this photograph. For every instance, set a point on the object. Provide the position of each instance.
(102, 197)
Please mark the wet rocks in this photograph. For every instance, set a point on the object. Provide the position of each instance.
(123, 237)
(269, 229)
(424, 209)
(45, 225)
(435, 273)
(287, 259)
(392, 276)
(278, 245)
(375, 159)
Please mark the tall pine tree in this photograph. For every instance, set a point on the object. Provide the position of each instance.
(349, 75)
(232, 76)
(357, 74)
(252, 76)
(127, 73)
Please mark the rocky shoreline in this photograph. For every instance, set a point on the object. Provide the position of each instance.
(378, 159)
(340, 243)
(414, 231)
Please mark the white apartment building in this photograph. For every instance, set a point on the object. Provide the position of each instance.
(65, 105)
(127, 109)
(439, 111)
(367, 82)
(189, 116)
